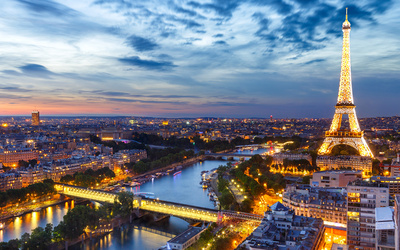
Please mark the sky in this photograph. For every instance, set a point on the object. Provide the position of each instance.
(174, 58)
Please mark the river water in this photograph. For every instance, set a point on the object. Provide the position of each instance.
(181, 188)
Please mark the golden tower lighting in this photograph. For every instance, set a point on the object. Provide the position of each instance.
(336, 135)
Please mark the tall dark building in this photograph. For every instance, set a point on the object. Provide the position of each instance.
(35, 118)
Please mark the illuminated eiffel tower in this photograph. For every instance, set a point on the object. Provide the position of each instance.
(352, 136)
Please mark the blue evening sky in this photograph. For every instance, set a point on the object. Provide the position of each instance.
(174, 58)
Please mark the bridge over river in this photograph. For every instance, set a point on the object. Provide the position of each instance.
(159, 206)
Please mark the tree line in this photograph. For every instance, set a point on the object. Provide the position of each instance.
(37, 190)
(73, 225)
(89, 178)
(159, 159)
(258, 179)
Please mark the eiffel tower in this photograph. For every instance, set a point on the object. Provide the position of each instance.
(338, 134)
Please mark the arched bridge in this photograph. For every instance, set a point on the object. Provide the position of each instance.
(158, 206)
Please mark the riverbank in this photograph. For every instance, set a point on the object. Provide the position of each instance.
(143, 178)
(40, 206)
(12, 211)
(182, 187)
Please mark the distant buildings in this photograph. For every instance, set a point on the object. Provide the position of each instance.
(282, 229)
(31, 175)
(279, 157)
(114, 133)
(363, 163)
(10, 158)
(35, 118)
(335, 178)
(10, 180)
(362, 199)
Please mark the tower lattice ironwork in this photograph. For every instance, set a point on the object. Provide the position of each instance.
(338, 134)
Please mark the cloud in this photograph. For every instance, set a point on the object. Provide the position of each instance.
(220, 42)
(156, 54)
(46, 7)
(378, 6)
(228, 104)
(173, 96)
(141, 44)
(14, 97)
(221, 7)
(185, 11)
(127, 94)
(13, 88)
(147, 64)
(36, 70)
(314, 61)
(280, 6)
(144, 101)
(11, 72)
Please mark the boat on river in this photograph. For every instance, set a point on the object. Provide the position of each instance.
(176, 173)
(134, 184)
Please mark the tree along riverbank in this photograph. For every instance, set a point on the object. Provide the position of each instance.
(81, 222)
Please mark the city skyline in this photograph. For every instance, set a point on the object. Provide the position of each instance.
(191, 59)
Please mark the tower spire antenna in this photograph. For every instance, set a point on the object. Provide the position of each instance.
(346, 14)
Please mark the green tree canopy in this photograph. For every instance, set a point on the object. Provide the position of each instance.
(123, 204)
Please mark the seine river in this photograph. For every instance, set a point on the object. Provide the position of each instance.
(181, 188)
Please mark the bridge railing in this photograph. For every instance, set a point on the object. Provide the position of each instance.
(159, 206)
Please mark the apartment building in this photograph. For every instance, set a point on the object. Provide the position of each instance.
(335, 178)
(10, 180)
(31, 175)
(327, 204)
(392, 182)
(353, 162)
(282, 229)
(385, 228)
(362, 199)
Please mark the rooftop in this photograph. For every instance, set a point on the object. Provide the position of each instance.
(186, 235)
(384, 218)
(362, 183)
(339, 172)
(279, 207)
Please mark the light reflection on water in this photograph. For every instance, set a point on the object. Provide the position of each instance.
(181, 188)
(15, 227)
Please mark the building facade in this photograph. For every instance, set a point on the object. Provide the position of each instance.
(385, 228)
(11, 158)
(10, 180)
(392, 182)
(282, 229)
(362, 199)
(328, 204)
(335, 178)
(185, 239)
(31, 175)
(397, 221)
(35, 118)
(362, 163)
(279, 157)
